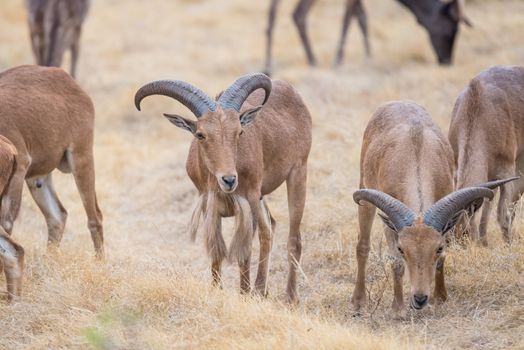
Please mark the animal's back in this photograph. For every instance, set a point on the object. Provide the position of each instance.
(283, 131)
(488, 92)
(43, 109)
(405, 154)
(43, 97)
(508, 78)
(492, 105)
(283, 116)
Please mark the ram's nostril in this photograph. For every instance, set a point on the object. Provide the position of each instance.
(420, 299)
(229, 180)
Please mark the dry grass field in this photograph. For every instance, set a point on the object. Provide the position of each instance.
(154, 291)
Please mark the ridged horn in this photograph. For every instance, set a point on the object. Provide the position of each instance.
(239, 91)
(445, 209)
(399, 213)
(190, 96)
(496, 183)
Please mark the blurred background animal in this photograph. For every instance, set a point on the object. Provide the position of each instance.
(55, 27)
(440, 19)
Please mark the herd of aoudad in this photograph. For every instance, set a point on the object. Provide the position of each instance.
(256, 135)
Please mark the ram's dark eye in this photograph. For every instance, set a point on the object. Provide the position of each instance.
(241, 132)
(400, 251)
(440, 250)
(200, 136)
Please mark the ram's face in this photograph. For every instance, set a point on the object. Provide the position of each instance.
(217, 134)
(420, 246)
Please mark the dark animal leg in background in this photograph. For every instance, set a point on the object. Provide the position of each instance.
(299, 16)
(353, 8)
(269, 35)
(362, 18)
(75, 48)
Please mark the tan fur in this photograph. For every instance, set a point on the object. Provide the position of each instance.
(240, 247)
(405, 155)
(216, 247)
(272, 149)
(196, 217)
(11, 254)
(50, 120)
(55, 26)
(487, 136)
(215, 243)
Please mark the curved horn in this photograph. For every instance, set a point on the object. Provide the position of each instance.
(496, 183)
(399, 213)
(439, 214)
(238, 92)
(190, 96)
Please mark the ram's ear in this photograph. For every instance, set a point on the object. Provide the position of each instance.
(387, 221)
(457, 11)
(248, 116)
(182, 122)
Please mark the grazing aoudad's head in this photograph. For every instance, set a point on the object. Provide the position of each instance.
(443, 25)
(219, 124)
(421, 239)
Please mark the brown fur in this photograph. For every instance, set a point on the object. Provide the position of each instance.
(55, 26)
(50, 120)
(272, 149)
(405, 155)
(11, 254)
(487, 136)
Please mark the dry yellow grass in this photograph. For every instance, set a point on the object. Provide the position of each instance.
(153, 292)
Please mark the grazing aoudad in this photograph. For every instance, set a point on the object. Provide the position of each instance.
(440, 19)
(11, 253)
(52, 128)
(487, 136)
(55, 26)
(255, 136)
(406, 170)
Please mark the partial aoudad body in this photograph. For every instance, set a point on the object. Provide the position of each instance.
(55, 26)
(440, 19)
(11, 253)
(50, 120)
(253, 138)
(406, 170)
(487, 136)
